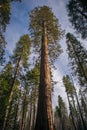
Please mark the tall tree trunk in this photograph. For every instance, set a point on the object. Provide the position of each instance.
(77, 116)
(83, 101)
(80, 111)
(28, 117)
(11, 94)
(33, 119)
(44, 119)
(84, 106)
(71, 123)
(81, 114)
(23, 112)
(30, 113)
(74, 125)
(16, 115)
(34, 108)
(78, 62)
(27, 127)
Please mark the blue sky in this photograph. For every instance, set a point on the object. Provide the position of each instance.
(19, 17)
(19, 26)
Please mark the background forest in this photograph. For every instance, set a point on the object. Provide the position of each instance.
(43, 65)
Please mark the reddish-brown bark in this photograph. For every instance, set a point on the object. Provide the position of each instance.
(44, 120)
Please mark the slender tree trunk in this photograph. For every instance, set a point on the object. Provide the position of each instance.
(62, 124)
(71, 123)
(11, 94)
(62, 120)
(27, 122)
(83, 96)
(75, 111)
(16, 114)
(44, 119)
(30, 113)
(84, 101)
(34, 109)
(28, 117)
(80, 112)
(74, 125)
(33, 120)
(23, 112)
(81, 115)
(84, 106)
(78, 62)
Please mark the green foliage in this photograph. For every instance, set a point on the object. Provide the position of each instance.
(68, 85)
(12, 122)
(78, 58)
(4, 14)
(5, 86)
(76, 113)
(33, 76)
(62, 115)
(22, 50)
(2, 48)
(6, 78)
(38, 16)
(4, 21)
(20, 60)
(62, 107)
(77, 11)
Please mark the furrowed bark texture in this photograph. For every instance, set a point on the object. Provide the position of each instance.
(44, 119)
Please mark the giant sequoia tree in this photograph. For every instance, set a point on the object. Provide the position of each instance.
(46, 31)
(77, 11)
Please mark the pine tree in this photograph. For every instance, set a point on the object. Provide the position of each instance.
(71, 94)
(16, 110)
(4, 15)
(20, 58)
(77, 11)
(5, 86)
(57, 123)
(78, 58)
(61, 117)
(46, 31)
(2, 49)
(30, 83)
(12, 121)
(5, 12)
(33, 80)
(63, 114)
(83, 102)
